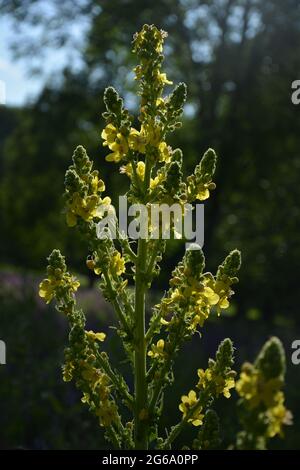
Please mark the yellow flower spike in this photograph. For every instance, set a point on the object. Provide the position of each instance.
(157, 350)
(96, 336)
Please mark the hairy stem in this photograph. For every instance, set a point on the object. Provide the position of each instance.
(140, 415)
(114, 301)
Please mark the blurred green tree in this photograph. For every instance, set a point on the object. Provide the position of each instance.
(239, 58)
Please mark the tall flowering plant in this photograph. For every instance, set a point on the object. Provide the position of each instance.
(155, 176)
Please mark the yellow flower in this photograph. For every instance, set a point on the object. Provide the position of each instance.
(162, 78)
(119, 148)
(115, 142)
(118, 264)
(48, 287)
(202, 192)
(246, 386)
(210, 296)
(91, 374)
(160, 102)
(156, 181)
(85, 398)
(97, 185)
(86, 208)
(152, 133)
(223, 290)
(96, 336)
(114, 157)
(109, 135)
(47, 290)
(205, 376)
(188, 402)
(137, 141)
(278, 416)
(164, 152)
(221, 384)
(198, 319)
(157, 350)
(140, 170)
(253, 387)
(91, 264)
(229, 383)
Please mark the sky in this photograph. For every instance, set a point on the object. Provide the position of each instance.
(16, 86)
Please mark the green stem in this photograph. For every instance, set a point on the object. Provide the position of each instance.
(113, 437)
(173, 434)
(115, 303)
(152, 261)
(140, 415)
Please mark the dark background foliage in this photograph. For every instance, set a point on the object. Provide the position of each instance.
(239, 59)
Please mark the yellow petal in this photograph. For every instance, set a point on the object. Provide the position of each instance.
(203, 194)
(100, 336)
(185, 399)
(197, 422)
(224, 303)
